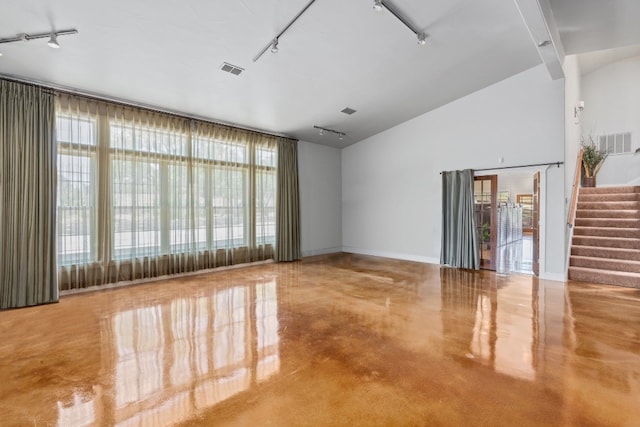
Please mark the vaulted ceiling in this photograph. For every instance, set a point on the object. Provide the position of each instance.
(168, 53)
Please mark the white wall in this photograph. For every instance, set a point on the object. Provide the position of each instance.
(320, 198)
(391, 186)
(612, 105)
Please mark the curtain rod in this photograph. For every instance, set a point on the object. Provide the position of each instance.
(75, 92)
(516, 167)
(45, 89)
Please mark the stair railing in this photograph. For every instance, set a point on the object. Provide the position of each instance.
(576, 188)
(571, 220)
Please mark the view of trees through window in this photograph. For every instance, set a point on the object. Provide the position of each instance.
(156, 190)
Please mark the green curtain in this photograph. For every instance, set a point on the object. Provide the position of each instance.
(459, 239)
(27, 196)
(288, 203)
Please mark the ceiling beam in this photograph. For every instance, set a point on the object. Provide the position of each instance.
(539, 21)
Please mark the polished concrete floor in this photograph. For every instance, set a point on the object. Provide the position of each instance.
(516, 257)
(331, 341)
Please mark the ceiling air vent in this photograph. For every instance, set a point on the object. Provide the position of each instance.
(616, 143)
(233, 69)
(348, 111)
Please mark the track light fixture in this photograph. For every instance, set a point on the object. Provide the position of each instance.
(53, 41)
(273, 44)
(378, 5)
(321, 131)
(53, 37)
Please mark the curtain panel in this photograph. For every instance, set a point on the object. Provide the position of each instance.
(27, 196)
(288, 227)
(145, 194)
(459, 239)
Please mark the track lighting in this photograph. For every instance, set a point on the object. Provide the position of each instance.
(321, 131)
(379, 4)
(53, 41)
(53, 37)
(273, 44)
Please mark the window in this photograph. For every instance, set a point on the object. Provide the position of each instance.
(266, 207)
(136, 186)
(526, 200)
(76, 201)
(136, 208)
(228, 206)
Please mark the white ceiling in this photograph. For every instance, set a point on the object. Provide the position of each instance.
(167, 54)
(591, 61)
(591, 25)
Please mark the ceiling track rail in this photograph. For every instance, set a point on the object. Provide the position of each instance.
(391, 8)
(275, 40)
(28, 37)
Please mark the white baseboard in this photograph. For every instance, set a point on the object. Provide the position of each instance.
(394, 255)
(325, 251)
(556, 277)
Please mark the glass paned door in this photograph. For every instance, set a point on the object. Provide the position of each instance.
(485, 197)
(526, 200)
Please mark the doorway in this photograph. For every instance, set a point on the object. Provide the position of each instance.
(485, 192)
(507, 209)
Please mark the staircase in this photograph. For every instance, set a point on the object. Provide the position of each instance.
(606, 237)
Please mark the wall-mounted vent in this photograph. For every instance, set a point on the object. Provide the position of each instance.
(348, 111)
(233, 69)
(615, 143)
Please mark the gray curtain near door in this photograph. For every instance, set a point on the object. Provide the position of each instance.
(288, 203)
(459, 238)
(27, 196)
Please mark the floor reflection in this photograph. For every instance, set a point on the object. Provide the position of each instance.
(175, 359)
(516, 256)
(604, 339)
(338, 340)
(79, 413)
(505, 331)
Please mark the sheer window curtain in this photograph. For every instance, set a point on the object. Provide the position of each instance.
(27, 196)
(459, 238)
(145, 194)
